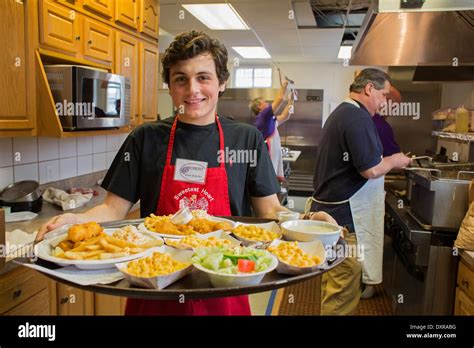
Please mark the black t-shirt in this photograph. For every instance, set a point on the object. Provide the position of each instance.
(349, 145)
(136, 171)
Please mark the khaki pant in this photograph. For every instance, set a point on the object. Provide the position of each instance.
(341, 287)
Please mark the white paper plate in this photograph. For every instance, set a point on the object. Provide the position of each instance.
(314, 248)
(43, 251)
(271, 226)
(142, 228)
(218, 234)
(159, 282)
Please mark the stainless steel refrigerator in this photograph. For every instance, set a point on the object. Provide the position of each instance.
(302, 132)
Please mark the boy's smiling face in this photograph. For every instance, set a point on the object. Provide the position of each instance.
(194, 88)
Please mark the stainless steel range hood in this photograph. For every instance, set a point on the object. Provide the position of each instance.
(436, 33)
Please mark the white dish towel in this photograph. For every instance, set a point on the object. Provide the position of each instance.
(65, 200)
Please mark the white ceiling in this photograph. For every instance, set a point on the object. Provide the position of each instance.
(270, 26)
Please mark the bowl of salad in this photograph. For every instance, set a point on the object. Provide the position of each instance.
(233, 267)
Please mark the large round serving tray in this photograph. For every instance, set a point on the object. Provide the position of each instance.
(197, 284)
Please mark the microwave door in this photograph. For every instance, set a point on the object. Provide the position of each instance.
(101, 94)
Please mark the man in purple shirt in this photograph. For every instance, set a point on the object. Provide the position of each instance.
(385, 131)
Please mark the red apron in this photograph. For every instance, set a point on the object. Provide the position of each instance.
(213, 196)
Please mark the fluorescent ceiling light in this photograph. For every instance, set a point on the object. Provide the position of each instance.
(344, 52)
(252, 52)
(217, 16)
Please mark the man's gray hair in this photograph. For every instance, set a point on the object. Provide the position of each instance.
(375, 76)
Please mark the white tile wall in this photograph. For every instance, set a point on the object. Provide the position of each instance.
(84, 146)
(25, 150)
(26, 172)
(122, 138)
(50, 159)
(67, 168)
(112, 143)
(48, 171)
(6, 177)
(99, 161)
(110, 158)
(84, 165)
(6, 156)
(67, 147)
(99, 144)
(48, 149)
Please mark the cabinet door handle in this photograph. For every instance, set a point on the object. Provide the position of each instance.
(64, 300)
(89, 42)
(17, 294)
(78, 38)
(465, 283)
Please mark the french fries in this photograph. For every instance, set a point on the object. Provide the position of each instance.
(100, 247)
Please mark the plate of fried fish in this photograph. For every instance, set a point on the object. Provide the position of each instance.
(89, 246)
(164, 226)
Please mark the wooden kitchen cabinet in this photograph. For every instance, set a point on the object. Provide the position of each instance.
(149, 63)
(464, 302)
(149, 17)
(59, 27)
(98, 40)
(126, 12)
(109, 305)
(104, 7)
(126, 64)
(74, 301)
(69, 32)
(25, 292)
(17, 68)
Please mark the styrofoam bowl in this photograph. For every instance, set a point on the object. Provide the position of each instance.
(219, 280)
(310, 230)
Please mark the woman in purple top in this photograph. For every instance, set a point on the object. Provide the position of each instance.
(267, 123)
(386, 135)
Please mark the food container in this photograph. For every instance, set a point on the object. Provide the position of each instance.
(311, 230)
(45, 248)
(287, 216)
(271, 226)
(314, 248)
(159, 282)
(142, 228)
(173, 242)
(220, 280)
(462, 120)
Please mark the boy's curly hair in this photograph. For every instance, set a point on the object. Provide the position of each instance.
(190, 44)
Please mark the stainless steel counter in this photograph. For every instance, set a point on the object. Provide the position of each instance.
(50, 210)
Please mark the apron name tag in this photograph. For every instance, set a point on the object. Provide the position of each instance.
(190, 171)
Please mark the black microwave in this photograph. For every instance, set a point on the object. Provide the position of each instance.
(89, 98)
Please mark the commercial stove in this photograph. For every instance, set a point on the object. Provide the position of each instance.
(419, 262)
